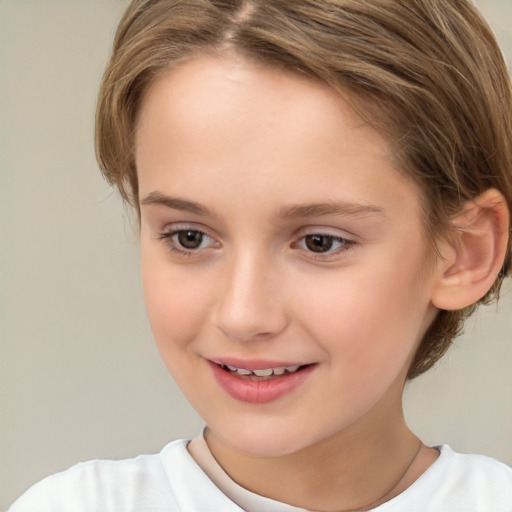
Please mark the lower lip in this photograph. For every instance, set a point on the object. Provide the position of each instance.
(259, 391)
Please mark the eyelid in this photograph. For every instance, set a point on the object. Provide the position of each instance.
(175, 227)
(326, 231)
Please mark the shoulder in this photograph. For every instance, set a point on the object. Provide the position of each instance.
(476, 471)
(481, 483)
(140, 483)
(459, 482)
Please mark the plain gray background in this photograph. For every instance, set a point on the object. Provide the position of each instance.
(80, 377)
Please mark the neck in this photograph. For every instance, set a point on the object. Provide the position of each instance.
(356, 469)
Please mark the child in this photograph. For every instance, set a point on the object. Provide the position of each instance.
(324, 192)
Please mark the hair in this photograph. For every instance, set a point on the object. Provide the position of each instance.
(428, 74)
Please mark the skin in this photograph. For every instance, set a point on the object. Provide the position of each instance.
(241, 146)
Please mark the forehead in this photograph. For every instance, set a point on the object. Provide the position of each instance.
(239, 123)
(209, 92)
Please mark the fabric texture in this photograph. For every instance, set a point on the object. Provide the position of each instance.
(172, 481)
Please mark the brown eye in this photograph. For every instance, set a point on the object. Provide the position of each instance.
(189, 239)
(188, 242)
(320, 243)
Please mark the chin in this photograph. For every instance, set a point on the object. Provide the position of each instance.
(265, 442)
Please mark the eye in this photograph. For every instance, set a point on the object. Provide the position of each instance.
(323, 244)
(187, 241)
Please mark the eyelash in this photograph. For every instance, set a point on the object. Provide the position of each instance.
(167, 239)
(345, 244)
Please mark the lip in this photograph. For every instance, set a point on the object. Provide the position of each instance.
(258, 391)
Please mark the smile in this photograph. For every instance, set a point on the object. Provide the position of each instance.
(262, 373)
(260, 384)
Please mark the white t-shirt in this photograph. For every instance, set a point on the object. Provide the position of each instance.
(172, 481)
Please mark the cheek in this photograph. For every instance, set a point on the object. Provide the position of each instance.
(175, 304)
(369, 319)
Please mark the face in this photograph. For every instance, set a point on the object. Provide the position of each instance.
(284, 263)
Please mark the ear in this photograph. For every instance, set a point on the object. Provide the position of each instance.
(471, 263)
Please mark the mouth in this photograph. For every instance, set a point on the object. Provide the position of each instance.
(263, 373)
(262, 382)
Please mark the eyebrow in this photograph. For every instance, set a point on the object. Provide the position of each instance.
(329, 208)
(176, 203)
(286, 212)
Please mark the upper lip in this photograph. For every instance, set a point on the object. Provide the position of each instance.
(255, 364)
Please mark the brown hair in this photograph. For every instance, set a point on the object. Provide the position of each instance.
(427, 73)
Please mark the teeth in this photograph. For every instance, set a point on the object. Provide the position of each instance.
(265, 372)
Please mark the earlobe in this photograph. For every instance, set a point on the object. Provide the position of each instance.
(473, 260)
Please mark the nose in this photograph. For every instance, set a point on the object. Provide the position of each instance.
(250, 304)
